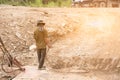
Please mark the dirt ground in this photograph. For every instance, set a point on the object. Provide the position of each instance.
(32, 73)
(82, 39)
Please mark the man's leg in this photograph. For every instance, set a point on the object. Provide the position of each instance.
(42, 59)
(39, 56)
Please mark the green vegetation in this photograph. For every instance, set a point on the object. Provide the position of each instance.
(38, 3)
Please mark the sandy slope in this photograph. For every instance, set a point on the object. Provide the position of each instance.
(82, 36)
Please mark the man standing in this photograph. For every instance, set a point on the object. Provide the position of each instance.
(41, 38)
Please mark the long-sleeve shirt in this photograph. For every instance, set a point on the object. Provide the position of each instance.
(39, 37)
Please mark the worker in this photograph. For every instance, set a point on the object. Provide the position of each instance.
(41, 38)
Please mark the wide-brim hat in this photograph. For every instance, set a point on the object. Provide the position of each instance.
(40, 22)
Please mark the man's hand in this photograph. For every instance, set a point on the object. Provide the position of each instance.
(49, 46)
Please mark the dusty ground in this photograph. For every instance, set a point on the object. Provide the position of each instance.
(33, 74)
(83, 38)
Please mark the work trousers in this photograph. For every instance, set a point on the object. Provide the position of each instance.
(41, 56)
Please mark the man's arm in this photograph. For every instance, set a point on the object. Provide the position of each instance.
(34, 35)
(47, 41)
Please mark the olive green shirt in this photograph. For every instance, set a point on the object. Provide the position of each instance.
(39, 37)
